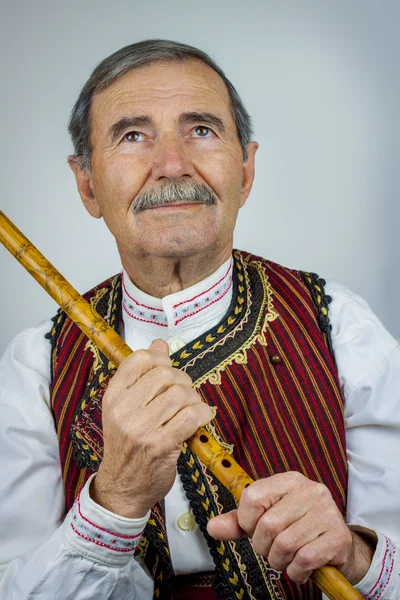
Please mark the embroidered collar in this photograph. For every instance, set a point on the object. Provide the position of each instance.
(201, 302)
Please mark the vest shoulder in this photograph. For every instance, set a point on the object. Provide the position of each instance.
(309, 284)
(272, 266)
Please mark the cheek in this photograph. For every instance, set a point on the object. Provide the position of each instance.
(223, 172)
(118, 181)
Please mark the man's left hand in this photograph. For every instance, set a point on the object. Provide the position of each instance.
(295, 523)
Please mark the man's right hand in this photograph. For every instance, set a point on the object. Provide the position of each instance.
(149, 410)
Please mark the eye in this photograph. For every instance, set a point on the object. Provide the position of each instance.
(132, 136)
(203, 131)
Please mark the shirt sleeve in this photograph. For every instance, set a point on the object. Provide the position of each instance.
(44, 554)
(368, 360)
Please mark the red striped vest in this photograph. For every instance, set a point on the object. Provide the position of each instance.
(268, 367)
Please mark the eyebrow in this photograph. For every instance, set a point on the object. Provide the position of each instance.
(128, 122)
(142, 120)
(204, 117)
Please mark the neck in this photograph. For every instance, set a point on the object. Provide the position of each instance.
(162, 276)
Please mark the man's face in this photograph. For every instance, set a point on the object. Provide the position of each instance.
(167, 122)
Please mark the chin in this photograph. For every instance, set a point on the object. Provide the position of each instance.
(183, 248)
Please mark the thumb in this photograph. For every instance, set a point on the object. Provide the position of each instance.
(160, 346)
(225, 527)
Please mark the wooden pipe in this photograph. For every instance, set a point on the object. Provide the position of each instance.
(209, 451)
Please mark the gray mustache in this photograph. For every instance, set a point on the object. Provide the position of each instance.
(170, 192)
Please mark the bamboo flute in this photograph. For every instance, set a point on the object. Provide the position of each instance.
(208, 450)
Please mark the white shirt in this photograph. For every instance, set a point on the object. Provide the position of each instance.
(44, 555)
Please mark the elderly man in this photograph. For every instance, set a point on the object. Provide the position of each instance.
(91, 505)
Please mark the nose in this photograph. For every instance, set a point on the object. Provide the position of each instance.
(172, 160)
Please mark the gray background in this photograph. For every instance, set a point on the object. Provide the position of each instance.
(319, 78)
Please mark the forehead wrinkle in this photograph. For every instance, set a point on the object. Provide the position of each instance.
(134, 94)
(140, 99)
(128, 90)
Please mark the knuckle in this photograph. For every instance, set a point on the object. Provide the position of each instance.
(140, 356)
(191, 416)
(322, 492)
(296, 575)
(179, 392)
(200, 414)
(184, 376)
(285, 543)
(347, 536)
(252, 495)
(306, 558)
(182, 397)
(126, 363)
(341, 547)
(295, 476)
(272, 524)
(205, 411)
(164, 373)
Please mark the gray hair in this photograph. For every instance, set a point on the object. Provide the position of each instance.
(132, 57)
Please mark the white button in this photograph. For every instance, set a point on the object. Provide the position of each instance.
(175, 345)
(186, 522)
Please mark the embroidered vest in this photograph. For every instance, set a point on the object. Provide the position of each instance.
(268, 367)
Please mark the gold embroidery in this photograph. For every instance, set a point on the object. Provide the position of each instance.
(242, 569)
(212, 431)
(271, 578)
(266, 315)
(230, 320)
(97, 363)
(142, 546)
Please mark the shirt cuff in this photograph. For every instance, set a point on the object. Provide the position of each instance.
(98, 534)
(381, 578)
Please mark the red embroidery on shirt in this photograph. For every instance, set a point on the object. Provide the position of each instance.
(85, 537)
(136, 302)
(143, 320)
(206, 291)
(203, 307)
(128, 537)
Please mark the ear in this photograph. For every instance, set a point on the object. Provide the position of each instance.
(248, 172)
(85, 187)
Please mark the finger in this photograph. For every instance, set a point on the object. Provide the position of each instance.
(327, 549)
(135, 366)
(159, 380)
(160, 346)
(288, 541)
(261, 495)
(289, 510)
(313, 524)
(168, 404)
(187, 421)
(225, 527)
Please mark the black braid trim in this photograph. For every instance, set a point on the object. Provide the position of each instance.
(157, 559)
(52, 335)
(222, 588)
(228, 581)
(219, 332)
(316, 285)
